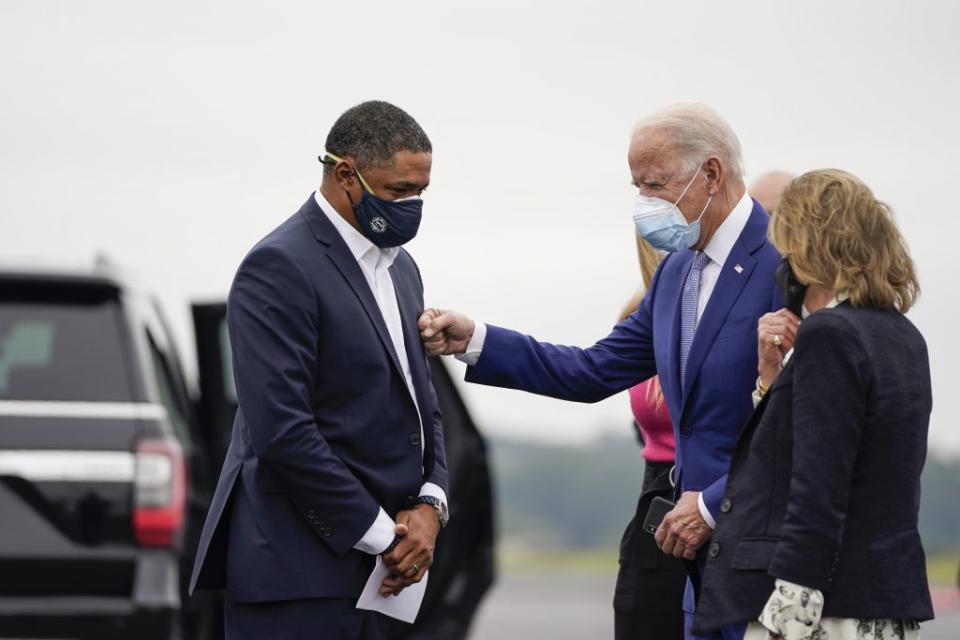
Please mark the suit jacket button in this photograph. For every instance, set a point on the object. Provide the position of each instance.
(714, 550)
(686, 432)
(726, 505)
(415, 439)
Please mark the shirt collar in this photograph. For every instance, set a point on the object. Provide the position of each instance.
(837, 299)
(721, 244)
(360, 246)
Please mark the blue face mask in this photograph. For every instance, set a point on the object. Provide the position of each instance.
(386, 223)
(661, 223)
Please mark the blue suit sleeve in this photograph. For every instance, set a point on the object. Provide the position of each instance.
(622, 359)
(272, 320)
(713, 495)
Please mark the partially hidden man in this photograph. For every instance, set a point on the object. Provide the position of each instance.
(337, 452)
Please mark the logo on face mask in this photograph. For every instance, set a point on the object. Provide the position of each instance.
(386, 223)
(661, 223)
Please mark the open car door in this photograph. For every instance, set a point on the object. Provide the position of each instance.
(463, 568)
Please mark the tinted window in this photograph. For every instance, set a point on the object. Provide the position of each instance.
(61, 352)
(168, 397)
(229, 384)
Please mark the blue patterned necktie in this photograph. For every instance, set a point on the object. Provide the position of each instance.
(688, 310)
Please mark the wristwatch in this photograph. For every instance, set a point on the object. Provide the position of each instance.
(443, 515)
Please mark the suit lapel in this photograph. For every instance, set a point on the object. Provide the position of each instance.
(338, 252)
(341, 257)
(409, 314)
(733, 278)
(725, 293)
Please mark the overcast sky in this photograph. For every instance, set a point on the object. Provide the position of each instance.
(173, 135)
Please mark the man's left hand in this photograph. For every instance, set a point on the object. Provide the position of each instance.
(683, 530)
(410, 559)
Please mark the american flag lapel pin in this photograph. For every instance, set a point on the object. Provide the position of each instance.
(738, 269)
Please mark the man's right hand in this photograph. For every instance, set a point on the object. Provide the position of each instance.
(445, 333)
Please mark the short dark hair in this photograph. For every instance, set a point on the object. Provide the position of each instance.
(373, 132)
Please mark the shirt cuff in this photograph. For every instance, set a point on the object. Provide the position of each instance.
(472, 354)
(434, 491)
(379, 536)
(705, 513)
(792, 611)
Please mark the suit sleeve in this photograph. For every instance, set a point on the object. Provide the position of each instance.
(436, 473)
(272, 320)
(624, 358)
(831, 378)
(713, 496)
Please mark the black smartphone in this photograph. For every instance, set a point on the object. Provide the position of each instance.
(659, 508)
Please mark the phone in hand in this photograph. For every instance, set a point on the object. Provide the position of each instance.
(659, 508)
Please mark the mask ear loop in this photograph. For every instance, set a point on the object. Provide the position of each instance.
(686, 188)
(357, 173)
(704, 210)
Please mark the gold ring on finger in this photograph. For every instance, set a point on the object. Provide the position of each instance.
(415, 568)
(777, 340)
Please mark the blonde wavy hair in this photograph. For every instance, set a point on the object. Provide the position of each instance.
(649, 259)
(838, 235)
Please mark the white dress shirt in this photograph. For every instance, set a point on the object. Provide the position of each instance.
(375, 264)
(718, 249)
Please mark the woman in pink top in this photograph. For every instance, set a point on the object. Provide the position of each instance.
(649, 595)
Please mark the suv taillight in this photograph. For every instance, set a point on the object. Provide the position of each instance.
(159, 493)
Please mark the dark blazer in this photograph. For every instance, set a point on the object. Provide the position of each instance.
(326, 432)
(721, 368)
(824, 486)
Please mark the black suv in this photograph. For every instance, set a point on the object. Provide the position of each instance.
(108, 461)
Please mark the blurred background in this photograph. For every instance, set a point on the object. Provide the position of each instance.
(172, 136)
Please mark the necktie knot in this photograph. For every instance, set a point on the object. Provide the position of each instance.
(700, 260)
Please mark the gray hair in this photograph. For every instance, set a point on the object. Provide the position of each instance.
(700, 132)
(372, 133)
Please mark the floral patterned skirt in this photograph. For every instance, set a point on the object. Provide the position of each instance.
(847, 629)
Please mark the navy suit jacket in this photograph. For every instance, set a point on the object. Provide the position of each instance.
(824, 486)
(721, 366)
(326, 432)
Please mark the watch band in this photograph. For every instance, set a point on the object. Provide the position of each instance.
(393, 545)
(441, 509)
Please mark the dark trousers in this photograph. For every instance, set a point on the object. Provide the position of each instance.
(315, 619)
(648, 599)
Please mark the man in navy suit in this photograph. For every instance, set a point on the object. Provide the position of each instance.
(337, 452)
(696, 327)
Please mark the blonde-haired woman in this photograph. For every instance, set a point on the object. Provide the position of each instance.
(649, 594)
(818, 532)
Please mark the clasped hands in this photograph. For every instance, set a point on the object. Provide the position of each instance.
(409, 560)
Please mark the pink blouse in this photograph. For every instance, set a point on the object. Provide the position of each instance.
(653, 419)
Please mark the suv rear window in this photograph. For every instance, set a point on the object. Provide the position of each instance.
(62, 351)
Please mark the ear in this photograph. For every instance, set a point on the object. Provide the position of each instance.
(344, 174)
(715, 173)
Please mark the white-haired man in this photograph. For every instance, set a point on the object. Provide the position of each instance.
(696, 327)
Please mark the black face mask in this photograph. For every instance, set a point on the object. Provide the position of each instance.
(790, 288)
